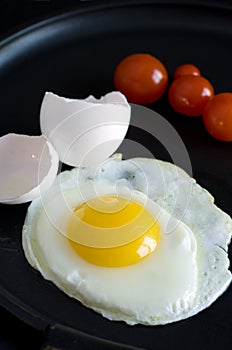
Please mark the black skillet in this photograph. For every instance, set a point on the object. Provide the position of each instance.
(74, 55)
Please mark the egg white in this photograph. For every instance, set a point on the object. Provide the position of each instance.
(185, 274)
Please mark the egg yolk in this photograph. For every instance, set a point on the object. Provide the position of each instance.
(113, 231)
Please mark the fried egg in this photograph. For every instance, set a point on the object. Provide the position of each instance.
(135, 240)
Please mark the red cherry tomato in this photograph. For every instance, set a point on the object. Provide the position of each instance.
(189, 95)
(217, 116)
(142, 78)
(186, 69)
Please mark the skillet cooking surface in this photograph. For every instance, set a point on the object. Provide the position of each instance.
(74, 55)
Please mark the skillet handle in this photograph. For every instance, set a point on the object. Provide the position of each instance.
(60, 337)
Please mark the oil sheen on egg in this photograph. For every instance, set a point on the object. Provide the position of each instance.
(120, 240)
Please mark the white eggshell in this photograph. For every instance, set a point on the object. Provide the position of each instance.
(29, 165)
(85, 132)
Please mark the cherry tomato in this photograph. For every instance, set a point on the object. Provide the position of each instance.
(186, 69)
(217, 116)
(189, 95)
(142, 78)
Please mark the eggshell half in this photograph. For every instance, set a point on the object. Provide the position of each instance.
(85, 132)
(29, 165)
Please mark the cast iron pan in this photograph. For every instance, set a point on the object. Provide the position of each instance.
(75, 55)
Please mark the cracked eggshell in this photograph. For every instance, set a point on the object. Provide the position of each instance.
(29, 165)
(85, 132)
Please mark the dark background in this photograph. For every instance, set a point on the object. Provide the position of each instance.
(15, 15)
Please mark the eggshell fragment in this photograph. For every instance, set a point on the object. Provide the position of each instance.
(85, 132)
(29, 165)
